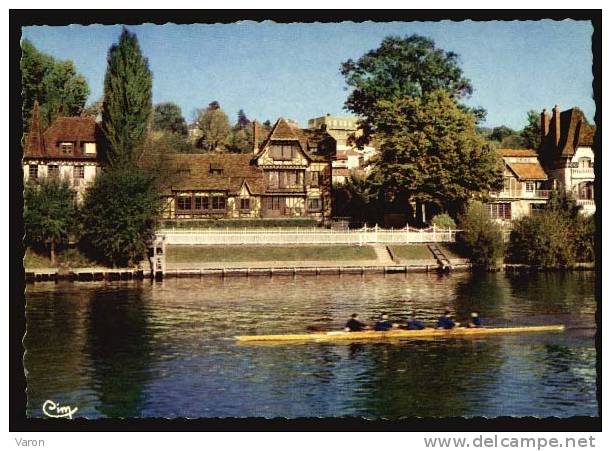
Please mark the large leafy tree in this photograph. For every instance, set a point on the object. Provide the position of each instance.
(241, 137)
(214, 126)
(49, 213)
(408, 67)
(431, 154)
(119, 214)
(531, 134)
(168, 117)
(127, 107)
(58, 87)
(480, 237)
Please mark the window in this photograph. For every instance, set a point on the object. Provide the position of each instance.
(274, 203)
(218, 202)
(202, 202)
(183, 202)
(314, 178)
(506, 183)
(282, 151)
(314, 204)
(244, 203)
(78, 172)
(53, 170)
(536, 208)
(66, 147)
(89, 148)
(585, 162)
(33, 171)
(530, 187)
(500, 211)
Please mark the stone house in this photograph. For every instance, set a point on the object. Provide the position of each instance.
(525, 187)
(67, 149)
(567, 153)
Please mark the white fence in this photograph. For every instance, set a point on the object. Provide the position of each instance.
(362, 236)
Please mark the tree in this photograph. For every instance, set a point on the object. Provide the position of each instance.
(444, 221)
(168, 117)
(127, 104)
(241, 137)
(214, 125)
(243, 121)
(94, 109)
(481, 238)
(119, 214)
(58, 87)
(431, 154)
(49, 212)
(500, 133)
(531, 134)
(409, 67)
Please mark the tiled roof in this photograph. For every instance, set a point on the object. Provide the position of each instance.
(516, 152)
(528, 171)
(194, 172)
(574, 131)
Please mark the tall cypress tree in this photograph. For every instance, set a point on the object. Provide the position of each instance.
(127, 104)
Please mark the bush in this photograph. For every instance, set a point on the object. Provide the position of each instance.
(544, 239)
(119, 214)
(481, 238)
(585, 230)
(443, 221)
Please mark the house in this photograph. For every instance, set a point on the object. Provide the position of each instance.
(67, 149)
(525, 186)
(286, 176)
(567, 154)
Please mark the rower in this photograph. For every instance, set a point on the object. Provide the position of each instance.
(413, 323)
(476, 321)
(384, 324)
(446, 321)
(354, 325)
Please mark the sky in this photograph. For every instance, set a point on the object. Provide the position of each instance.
(292, 70)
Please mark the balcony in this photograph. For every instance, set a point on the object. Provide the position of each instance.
(522, 194)
(285, 189)
(582, 173)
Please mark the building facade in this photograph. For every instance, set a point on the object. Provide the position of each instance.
(567, 153)
(287, 176)
(68, 149)
(525, 186)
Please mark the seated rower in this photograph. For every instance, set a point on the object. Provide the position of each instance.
(446, 321)
(384, 324)
(354, 325)
(413, 323)
(476, 321)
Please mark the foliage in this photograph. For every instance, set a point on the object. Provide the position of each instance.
(563, 201)
(400, 68)
(236, 223)
(240, 140)
(354, 199)
(543, 239)
(481, 238)
(168, 117)
(500, 133)
(127, 106)
(94, 109)
(430, 153)
(49, 213)
(443, 221)
(119, 214)
(585, 233)
(214, 125)
(531, 134)
(57, 86)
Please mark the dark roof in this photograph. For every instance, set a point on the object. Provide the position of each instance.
(63, 129)
(195, 173)
(575, 131)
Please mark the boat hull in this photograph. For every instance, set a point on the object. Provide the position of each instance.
(399, 334)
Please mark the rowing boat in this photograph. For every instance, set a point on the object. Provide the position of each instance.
(400, 334)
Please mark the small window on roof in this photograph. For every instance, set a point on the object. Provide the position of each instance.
(216, 169)
(66, 147)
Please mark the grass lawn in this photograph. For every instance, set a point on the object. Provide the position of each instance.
(188, 254)
(451, 250)
(35, 260)
(66, 258)
(412, 252)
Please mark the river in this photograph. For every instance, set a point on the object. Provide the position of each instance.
(165, 349)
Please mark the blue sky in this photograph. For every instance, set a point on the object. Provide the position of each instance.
(292, 70)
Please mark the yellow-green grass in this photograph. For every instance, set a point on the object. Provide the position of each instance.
(192, 254)
(66, 258)
(412, 252)
(35, 260)
(452, 250)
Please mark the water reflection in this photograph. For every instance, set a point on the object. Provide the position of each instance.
(166, 349)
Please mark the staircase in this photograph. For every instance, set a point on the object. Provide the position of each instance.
(442, 260)
(382, 254)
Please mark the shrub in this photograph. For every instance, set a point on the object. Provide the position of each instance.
(443, 221)
(481, 239)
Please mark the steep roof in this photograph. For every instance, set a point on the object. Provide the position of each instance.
(574, 132)
(528, 171)
(34, 146)
(194, 172)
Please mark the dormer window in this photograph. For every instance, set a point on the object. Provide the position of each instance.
(283, 151)
(66, 147)
(88, 148)
(216, 169)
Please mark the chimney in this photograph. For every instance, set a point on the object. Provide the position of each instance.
(255, 137)
(544, 124)
(34, 142)
(556, 124)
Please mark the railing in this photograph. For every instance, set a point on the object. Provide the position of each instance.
(582, 172)
(522, 194)
(359, 237)
(586, 202)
